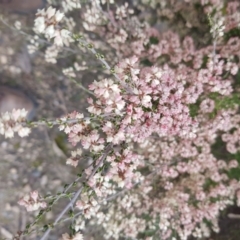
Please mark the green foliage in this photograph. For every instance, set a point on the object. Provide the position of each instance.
(205, 60)
(235, 32)
(219, 151)
(237, 80)
(146, 62)
(153, 40)
(234, 173)
(225, 102)
(208, 184)
(60, 140)
(193, 109)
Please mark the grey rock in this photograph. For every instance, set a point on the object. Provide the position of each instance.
(15, 99)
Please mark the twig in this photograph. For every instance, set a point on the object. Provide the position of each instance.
(107, 15)
(40, 40)
(114, 196)
(103, 61)
(71, 203)
(93, 51)
(51, 123)
(234, 216)
(81, 86)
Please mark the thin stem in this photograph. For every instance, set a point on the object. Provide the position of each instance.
(103, 61)
(106, 14)
(71, 203)
(93, 51)
(82, 87)
(114, 196)
(57, 122)
(68, 121)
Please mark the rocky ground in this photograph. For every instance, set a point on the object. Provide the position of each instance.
(37, 162)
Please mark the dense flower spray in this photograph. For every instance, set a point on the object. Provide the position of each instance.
(151, 126)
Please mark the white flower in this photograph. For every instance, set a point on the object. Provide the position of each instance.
(47, 23)
(146, 99)
(51, 54)
(65, 33)
(39, 24)
(69, 72)
(59, 16)
(115, 88)
(9, 133)
(51, 12)
(72, 161)
(58, 39)
(6, 116)
(50, 31)
(23, 132)
(61, 127)
(120, 104)
(23, 112)
(18, 25)
(11, 122)
(41, 12)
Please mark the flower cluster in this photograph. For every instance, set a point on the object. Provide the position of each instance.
(14, 121)
(109, 96)
(75, 156)
(69, 5)
(32, 202)
(93, 17)
(47, 22)
(74, 124)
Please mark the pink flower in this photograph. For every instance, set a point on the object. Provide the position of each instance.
(32, 202)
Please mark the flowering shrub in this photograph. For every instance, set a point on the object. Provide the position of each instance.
(154, 118)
